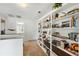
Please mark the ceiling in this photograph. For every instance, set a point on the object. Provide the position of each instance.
(29, 13)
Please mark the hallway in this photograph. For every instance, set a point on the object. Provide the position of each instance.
(32, 49)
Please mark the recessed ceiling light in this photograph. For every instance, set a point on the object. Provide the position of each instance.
(23, 5)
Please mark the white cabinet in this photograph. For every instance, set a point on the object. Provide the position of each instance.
(2, 25)
(11, 47)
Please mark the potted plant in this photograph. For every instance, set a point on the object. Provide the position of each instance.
(57, 5)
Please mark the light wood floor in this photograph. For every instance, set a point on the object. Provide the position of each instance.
(31, 48)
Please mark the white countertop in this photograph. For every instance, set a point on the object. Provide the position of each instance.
(11, 36)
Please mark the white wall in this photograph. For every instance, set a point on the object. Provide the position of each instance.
(30, 30)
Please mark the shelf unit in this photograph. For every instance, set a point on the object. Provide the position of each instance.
(45, 31)
(2, 25)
